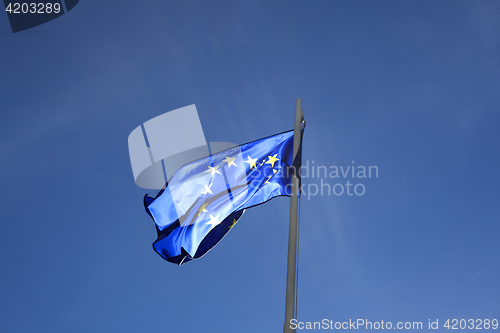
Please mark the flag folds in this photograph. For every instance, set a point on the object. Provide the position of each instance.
(204, 199)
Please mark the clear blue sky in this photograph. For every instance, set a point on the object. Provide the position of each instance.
(412, 87)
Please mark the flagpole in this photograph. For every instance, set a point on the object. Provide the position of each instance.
(292, 231)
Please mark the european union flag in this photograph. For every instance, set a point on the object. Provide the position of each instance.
(204, 199)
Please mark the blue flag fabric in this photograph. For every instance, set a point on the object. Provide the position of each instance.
(204, 199)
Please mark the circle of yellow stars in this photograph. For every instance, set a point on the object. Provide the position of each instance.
(252, 162)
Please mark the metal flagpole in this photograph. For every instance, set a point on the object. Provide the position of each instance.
(292, 231)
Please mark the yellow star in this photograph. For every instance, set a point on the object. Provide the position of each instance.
(230, 161)
(207, 189)
(214, 220)
(251, 162)
(213, 170)
(202, 209)
(272, 160)
(267, 181)
(234, 222)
